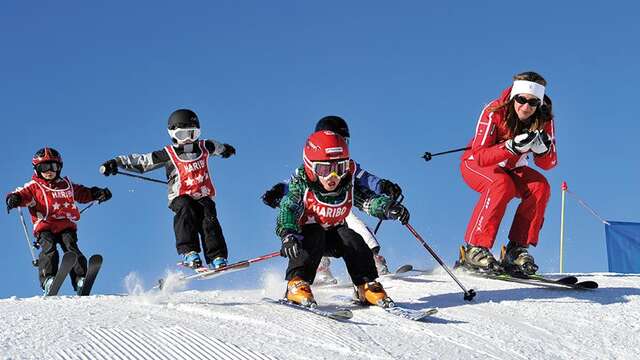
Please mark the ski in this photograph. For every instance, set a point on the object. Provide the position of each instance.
(67, 263)
(394, 309)
(411, 314)
(338, 314)
(93, 267)
(204, 273)
(566, 282)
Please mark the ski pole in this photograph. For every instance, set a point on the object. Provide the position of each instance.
(103, 169)
(264, 257)
(468, 294)
(427, 155)
(34, 261)
(86, 207)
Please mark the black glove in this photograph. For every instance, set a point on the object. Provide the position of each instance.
(13, 201)
(273, 196)
(99, 194)
(542, 144)
(110, 167)
(522, 143)
(390, 188)
(228, 151)
(291, 246)
(398, 212)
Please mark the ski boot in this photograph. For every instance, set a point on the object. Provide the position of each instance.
(381, 264)
(516, 259)
(218, 263)
(192, 260)
(478, 258)
(372, 293)
(299, 292)
(46, 286)
(324, 275)
(79, 285)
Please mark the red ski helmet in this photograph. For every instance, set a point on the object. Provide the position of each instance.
(46, 154)
(322, 149)
(42, 159)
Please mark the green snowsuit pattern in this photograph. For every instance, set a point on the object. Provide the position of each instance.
(292, 207)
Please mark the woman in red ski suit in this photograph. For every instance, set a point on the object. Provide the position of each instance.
(512, 127)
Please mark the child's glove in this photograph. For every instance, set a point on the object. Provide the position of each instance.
(110, 167)
(291, 245)
(398, 212)
(273, 196)
(228, 151)
(99, 194)
(13, 201)
(390, 188)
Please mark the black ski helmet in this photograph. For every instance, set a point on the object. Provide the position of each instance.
(335, 124)
(183, 118)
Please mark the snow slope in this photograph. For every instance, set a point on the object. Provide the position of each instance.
(505, 321)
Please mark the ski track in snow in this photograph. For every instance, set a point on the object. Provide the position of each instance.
(505, 321)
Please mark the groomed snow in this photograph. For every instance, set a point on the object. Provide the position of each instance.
(505, 321)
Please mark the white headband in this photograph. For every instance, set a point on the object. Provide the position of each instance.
(527, 87)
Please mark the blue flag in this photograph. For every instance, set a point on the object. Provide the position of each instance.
(623, 246)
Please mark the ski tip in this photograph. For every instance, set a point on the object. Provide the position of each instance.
(588, 285)
(342, 314)
(404, 269)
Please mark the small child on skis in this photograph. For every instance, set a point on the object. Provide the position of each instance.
(191, 189)
(273, 196)
(311, 222)
(51, 202)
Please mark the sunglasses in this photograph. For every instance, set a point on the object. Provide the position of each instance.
(523, 100)
(325, 169)
(48, 166)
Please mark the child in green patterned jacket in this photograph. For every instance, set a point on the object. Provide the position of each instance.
(311, 222)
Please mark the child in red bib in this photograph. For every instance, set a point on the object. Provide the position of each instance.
(191, 190)
(51, 201)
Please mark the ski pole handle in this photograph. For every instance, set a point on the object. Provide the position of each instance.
(427, 155)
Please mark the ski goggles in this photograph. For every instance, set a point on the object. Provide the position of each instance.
(523, 100)
(48, 166)
(325, 169)
(186, 134)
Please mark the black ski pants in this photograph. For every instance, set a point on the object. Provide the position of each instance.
(196, 221)
(49, 258)
(339, 241)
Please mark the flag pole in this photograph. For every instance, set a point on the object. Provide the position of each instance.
(564, 193)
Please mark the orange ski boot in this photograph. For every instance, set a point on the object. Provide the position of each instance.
(299, 292)
(372, 293)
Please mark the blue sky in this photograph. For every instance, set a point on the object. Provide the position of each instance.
(99, 80)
